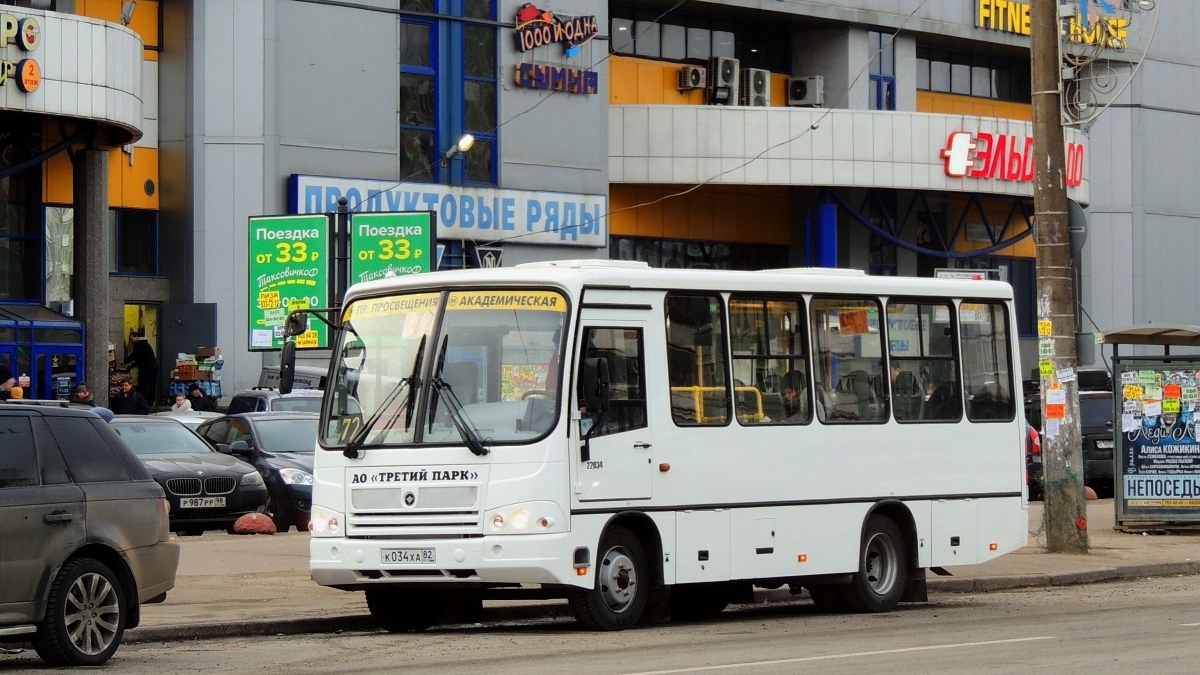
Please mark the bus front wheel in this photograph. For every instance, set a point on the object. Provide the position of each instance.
(404, 611)
(882, 569)
(622, 584)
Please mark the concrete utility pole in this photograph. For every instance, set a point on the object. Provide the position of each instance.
(1062, 453)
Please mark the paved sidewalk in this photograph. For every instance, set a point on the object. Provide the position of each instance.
(259, 585)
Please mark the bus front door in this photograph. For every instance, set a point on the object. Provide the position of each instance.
(618, 462)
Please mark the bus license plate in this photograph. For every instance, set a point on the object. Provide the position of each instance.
(409, 555)
(201, 502)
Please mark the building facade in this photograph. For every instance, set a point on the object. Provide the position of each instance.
(890, 137)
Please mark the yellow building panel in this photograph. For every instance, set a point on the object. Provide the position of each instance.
(622, 80)
(650, 88)
(139, 178)
(955, 104)
(699, 214)
(778, 90)
(144, 20)
(648, 212)
(57, 177)
(750, 214)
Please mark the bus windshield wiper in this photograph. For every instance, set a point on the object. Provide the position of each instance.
(461, 422)
(410, 384)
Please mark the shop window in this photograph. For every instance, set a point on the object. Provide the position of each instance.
(20, 225)
(133, 242)
(696, 38)
(981, 75)
(698, 254)
(448, 87)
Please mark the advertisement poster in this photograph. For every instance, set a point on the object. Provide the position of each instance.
(1159, 460)
(288, 263)
(390, 244)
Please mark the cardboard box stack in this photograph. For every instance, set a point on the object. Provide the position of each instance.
(203, 367)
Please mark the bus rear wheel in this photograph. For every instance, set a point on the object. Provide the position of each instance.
(617, 600)
(882, 569)
(404, 611)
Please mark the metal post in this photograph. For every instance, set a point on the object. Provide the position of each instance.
(1062, 455)
(341, 255)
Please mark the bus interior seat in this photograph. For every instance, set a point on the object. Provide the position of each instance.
(944, 403)
(907, 398)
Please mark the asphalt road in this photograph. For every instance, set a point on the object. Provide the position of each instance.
(1146, 625)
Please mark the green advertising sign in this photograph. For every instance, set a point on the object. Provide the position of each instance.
(289, 262)
(383, 244)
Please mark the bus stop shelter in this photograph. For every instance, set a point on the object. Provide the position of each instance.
(1155, 426)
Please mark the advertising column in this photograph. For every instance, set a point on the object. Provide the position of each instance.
(288, 271)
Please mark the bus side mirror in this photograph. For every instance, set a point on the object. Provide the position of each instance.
(287, 366)
(295, 324)
(594, 382)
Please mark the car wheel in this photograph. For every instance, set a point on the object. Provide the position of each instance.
(622, 584)
(404, 611)
(281, 525)
(85, 616)
(882, 569)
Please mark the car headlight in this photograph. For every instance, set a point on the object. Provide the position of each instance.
(251, 478)
(296, 477)
(526, 518)
(325, 523)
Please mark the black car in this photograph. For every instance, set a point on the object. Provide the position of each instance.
(280, 445)
(1096, 434)
(207, 489)
(85, 540)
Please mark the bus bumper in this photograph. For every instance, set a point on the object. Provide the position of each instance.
(354, 564)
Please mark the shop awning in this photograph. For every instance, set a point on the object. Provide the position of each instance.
(1154, 334)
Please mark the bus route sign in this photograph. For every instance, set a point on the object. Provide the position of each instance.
(391, 244)
(288, 263)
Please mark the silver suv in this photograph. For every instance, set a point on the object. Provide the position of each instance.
(85, 538)
(263, 399)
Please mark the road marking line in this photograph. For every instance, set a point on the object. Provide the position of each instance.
(1189, 625)
(830, 657)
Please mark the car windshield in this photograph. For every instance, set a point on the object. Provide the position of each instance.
(287, 435)
(160, 439)
(1095, 411)
(494, 365)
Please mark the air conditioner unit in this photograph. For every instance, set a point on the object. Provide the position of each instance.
(723, 80)
(808, 91)
(692, 77)
(754, 86)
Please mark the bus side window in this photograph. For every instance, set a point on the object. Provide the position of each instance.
(622, 347)
(987, 363)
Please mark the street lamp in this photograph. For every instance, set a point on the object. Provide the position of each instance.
(464, 144)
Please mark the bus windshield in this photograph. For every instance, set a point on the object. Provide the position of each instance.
(488, 376)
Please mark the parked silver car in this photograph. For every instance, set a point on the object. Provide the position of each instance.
(85, 539)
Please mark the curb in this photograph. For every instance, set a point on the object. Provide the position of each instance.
(516, 612)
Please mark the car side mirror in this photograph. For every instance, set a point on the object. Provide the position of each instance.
(224, 449)
(240, 448)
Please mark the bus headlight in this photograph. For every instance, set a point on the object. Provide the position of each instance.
(325, 523)
(526, 518)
